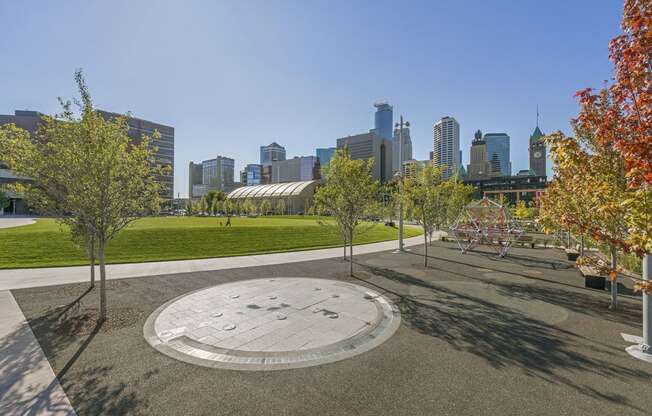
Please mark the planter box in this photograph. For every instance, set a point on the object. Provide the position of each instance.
(572, 255)
(594, 282)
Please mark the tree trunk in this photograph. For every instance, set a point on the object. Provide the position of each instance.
(614, 281)
(582, 245)
(647, 303)
(351, 253)
(344, 247)
(568, 241)
(100, 253)
(92, 259)
(425, 248)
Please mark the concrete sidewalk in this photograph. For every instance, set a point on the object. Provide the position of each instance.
(24, 278)
(28, 385)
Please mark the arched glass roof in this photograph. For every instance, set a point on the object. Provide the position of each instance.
(273, 190)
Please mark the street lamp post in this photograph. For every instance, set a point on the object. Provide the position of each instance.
(400, 181)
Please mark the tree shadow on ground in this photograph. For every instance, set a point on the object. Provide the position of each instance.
(22, 353)
(520, 259)
(506, 337)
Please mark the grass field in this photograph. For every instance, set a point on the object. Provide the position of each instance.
(46, 243)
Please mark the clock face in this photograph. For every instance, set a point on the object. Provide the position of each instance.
(537, 154)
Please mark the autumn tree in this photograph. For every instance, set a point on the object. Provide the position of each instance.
(279, 208)
(347, 195)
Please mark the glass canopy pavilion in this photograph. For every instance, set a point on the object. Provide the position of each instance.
(296, 195)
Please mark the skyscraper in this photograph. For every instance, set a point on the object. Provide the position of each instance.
(195, 177)
(218, 173)
(324, 155)
(253, 175)
(479, 166)
(383, 120)
(270, 153)
(446, 139)
(368, 145)
(498, 153)
(537, 153)
(407, 148)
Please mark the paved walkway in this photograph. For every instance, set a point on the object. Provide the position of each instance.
(23, 278)
(15, 222)
(28, 385)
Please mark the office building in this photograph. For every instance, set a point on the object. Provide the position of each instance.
(219, 173)
(297, 169)
(407, 148)
(498, 153)
(446, 145)
(370, 145)
(537, 148)
(266, 174)
(324, 155)
(195, 177)
(412, 168)
(273, 152)
(164, 146)
(252, 175)
(526, 188)
(383, 120)
(479, 166)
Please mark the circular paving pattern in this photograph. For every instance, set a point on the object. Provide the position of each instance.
(272, 324)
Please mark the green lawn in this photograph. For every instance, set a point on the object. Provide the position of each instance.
(46, 243)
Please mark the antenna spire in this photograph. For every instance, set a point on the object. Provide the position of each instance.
(537, 115)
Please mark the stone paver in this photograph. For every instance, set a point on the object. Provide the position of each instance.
(274, 323)
(28, 385)
(48, 276)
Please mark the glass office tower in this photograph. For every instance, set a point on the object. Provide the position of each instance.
(384, 120)
(498, 152)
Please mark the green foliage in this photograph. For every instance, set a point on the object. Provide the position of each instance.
(279, 208)
(348, 194)
(265, 207)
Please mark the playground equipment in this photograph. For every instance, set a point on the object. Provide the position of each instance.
(486, 222)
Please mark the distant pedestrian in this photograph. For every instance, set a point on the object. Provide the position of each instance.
(228, 222)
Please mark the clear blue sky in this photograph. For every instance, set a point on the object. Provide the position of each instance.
(231, 76)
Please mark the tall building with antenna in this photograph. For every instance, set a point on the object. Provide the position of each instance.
(537, 150)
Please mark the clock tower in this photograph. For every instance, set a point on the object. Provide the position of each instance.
(537, 153)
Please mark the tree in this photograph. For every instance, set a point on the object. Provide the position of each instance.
(211, 199)
(90, 173)
(203, 206)
(190, 207)
(280, 207)
(426, 201)
(265, 207)
(347, 195)
(590, 175)
(522, 211)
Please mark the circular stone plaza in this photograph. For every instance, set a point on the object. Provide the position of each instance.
(272, 324)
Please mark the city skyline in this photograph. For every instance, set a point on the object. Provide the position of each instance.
(243, 92)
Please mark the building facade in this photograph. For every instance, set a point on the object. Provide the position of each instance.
(324, 155)
(297, 169)
(446, 145)
(195, 177)
(538, 155)
(273, 152)
(527, 188)
(253, 175)
(370, 145)
(407, 148)
(163, 146)
(219, 173)
(498, 153)
(479, 166)
(383, 120)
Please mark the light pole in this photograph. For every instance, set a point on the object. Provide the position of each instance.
(400, 181)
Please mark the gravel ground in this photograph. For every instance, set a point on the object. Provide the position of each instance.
(479, 336)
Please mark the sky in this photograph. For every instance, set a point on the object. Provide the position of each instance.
(231, 76)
